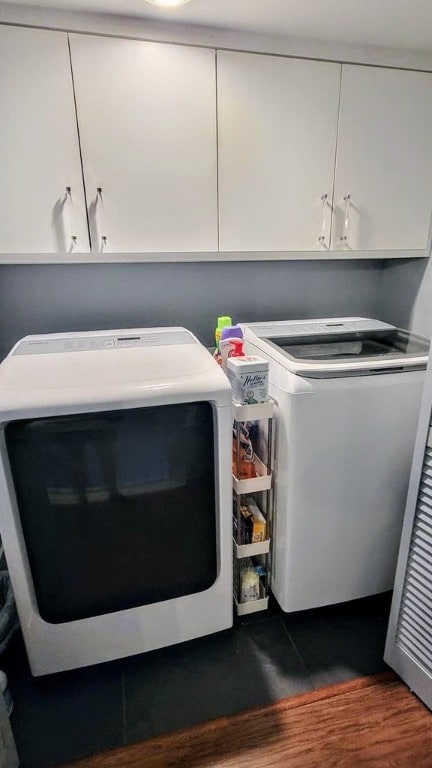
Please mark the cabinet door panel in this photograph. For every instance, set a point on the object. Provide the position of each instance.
(147, 118)
(384, 159)
(39, 152)
(277, 122)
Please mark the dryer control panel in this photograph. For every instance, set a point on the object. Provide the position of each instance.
(92, 342)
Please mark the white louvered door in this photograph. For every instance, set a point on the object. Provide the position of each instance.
(409, 639)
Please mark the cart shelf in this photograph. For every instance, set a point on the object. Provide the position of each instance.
(258, 554)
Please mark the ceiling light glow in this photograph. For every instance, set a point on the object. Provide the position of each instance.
(168, 3)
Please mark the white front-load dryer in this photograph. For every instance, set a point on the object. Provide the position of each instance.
(348, 395)
(115, 493)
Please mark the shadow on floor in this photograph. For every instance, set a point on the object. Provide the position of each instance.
(264, 658)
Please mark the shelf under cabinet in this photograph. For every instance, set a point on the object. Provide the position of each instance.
(215, 256)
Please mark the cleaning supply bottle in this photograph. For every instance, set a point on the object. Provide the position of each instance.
(228, 344)
(237, 348)
(222, 322)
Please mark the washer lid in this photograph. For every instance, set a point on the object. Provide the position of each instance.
(338, 346)
(80, 372)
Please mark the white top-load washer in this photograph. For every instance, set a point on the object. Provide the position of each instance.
(115, 493)
(348, 395)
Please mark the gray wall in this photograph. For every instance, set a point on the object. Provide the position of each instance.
(406, 295)
(48, 299)
(421, 318)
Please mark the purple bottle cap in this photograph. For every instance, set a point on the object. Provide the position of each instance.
(231, 332)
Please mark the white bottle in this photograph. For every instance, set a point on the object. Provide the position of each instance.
(230, 348)
(249, 585)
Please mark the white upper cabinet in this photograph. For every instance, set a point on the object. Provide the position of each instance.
(147, 121)
(384, 160)
(277, 126)
(119, 137)
(39, 151)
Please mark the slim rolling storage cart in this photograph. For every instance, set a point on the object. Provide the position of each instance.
(253, 426)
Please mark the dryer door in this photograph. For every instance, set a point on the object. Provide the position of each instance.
(117, 508)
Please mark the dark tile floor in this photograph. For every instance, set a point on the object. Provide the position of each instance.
(262, 659)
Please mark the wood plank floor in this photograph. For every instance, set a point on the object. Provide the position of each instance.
(374, 721)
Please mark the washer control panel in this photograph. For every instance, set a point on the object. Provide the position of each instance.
(317, 327)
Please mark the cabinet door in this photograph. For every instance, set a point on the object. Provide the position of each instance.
(277, 121)
(147, 120)
(384, 159)
(39, 151)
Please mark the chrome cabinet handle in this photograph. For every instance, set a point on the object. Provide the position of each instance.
(346, 221)
(321, 238)
(69, 204)
(100, 219)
